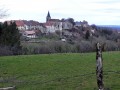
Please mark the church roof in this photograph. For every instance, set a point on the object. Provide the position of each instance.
(54, 20)
(48, 24)
(48, 15)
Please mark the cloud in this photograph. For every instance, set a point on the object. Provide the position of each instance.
(96, 11)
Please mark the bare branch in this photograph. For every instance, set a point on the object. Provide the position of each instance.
(3, 13)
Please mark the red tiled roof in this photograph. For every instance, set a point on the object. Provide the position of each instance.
(54, 20)
(30, 32)
(19, 23)
(48, 24)
(43, 24)
(25, 22)
(32, 23)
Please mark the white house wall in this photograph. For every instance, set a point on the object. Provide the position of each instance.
(31, 36)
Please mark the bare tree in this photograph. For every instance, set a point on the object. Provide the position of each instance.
(3, 13)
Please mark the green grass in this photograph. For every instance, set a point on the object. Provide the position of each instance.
(58, 71)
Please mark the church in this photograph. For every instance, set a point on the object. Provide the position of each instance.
(53, 25)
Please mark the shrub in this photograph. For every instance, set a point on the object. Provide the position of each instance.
(111, 46)
(5, 51)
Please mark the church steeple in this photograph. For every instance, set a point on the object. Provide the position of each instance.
(48, 17)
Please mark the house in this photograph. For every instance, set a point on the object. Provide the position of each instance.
(29, 34)
(42, 28)
(20, 24)
(85, 23)
(29, 25)
(78, 24)
(34, 25)
(57, 24)
(66, 25)
(49, 27)
(92, 31)
(28, 28)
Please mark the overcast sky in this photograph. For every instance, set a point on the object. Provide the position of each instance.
(100, 12)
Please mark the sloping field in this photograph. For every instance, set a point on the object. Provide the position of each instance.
(58, 71)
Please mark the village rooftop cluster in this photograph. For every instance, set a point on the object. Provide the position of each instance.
(31, 28)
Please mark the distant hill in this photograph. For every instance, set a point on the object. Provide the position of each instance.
(116, 27)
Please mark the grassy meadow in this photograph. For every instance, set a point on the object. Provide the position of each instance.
(59, 71)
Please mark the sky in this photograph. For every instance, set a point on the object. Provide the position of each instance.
(99, 12)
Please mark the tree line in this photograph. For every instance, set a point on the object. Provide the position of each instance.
(9, 38)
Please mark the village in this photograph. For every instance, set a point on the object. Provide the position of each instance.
(33, 29)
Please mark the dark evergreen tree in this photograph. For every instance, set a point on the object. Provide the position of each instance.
(1, 32)
(10, 37)
(15, 35)
(87, 35)
(4, 34)
(71, 20)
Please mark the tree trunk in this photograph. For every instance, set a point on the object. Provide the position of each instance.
(99, 67)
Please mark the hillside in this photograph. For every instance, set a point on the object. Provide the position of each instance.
(58, 71)
(78, 38)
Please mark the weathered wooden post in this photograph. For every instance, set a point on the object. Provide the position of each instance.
(99, 66)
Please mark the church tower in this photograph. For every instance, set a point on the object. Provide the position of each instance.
(48, 17)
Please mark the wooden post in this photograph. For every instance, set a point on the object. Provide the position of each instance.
(99, 67)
